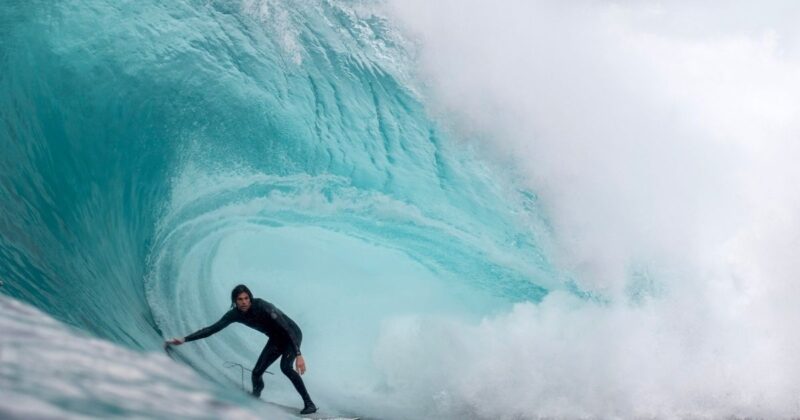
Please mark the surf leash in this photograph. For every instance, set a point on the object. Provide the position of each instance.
(229, 364)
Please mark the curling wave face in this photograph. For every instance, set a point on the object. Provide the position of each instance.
(158, 153)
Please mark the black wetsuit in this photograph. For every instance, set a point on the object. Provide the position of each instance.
(284, 340)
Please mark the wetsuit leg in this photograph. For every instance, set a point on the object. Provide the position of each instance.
(286, 367)
(269, 355)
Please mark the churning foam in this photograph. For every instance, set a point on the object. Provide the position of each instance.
(662, 141)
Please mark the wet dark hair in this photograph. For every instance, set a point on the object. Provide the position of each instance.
(238, 290)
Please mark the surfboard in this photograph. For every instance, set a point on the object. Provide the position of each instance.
(319, 415)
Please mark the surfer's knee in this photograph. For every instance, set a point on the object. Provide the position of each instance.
(286, 367)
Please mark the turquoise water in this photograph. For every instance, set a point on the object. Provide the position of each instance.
(155, 154)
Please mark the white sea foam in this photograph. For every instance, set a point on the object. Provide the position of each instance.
(47, 370)
(662, 140)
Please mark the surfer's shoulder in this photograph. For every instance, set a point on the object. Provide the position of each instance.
(232, 314)
(261, 303)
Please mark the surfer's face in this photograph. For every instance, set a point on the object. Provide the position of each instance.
(243, 302)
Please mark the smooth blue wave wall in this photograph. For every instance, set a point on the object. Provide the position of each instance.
(142, 140)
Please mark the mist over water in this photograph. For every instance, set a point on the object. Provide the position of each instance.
(660, 138)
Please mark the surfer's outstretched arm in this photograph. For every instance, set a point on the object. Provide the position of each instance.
(226, 320)
(176, 341)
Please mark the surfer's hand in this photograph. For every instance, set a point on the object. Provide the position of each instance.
(175, 341)
(300, 365)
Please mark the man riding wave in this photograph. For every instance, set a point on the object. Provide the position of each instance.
(284, 339)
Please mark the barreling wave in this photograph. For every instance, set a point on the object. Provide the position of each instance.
(158, 152)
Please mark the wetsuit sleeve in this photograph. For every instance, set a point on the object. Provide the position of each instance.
(226, 320)
(283, 322)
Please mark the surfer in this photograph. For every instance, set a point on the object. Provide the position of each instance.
(284, 339)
